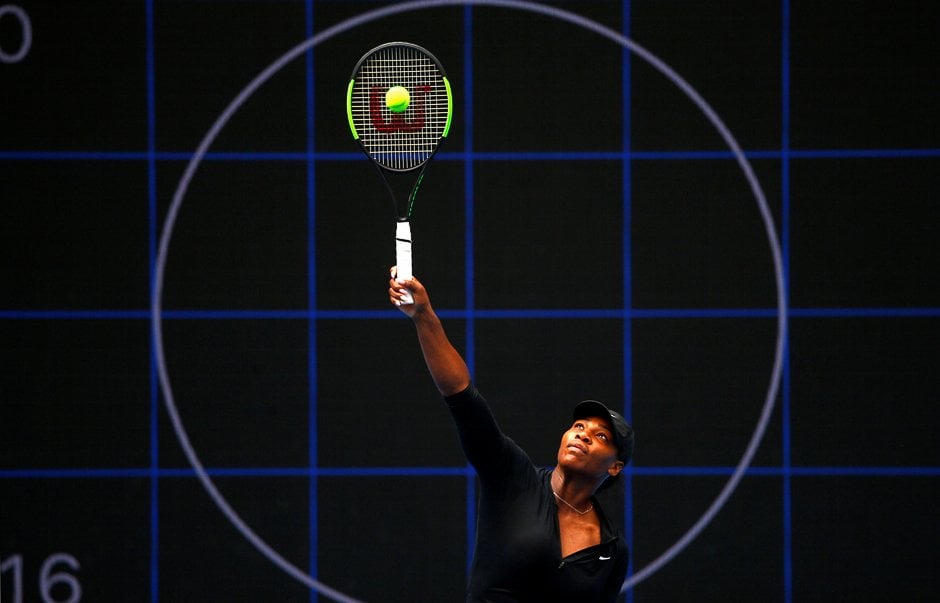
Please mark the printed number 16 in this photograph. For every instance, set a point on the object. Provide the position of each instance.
(64, 583)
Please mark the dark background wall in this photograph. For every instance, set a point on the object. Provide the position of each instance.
(585, 232)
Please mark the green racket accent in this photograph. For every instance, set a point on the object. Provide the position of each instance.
(411, 197)
(450, 107)
(349, 115)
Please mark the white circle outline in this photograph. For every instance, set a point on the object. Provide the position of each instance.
(653, 61)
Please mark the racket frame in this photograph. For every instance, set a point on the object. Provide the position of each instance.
(403, 240)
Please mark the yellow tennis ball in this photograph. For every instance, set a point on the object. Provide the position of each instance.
(397, 99)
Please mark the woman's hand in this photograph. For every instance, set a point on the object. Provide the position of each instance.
(397, 293)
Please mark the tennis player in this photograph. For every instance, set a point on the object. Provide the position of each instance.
(542, 535)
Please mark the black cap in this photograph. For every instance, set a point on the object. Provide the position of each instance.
(623, 432)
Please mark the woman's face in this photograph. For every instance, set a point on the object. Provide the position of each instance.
(588, 446)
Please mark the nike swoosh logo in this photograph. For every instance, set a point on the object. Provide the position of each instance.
(602, 558)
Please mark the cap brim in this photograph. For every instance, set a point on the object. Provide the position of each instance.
(593, 408)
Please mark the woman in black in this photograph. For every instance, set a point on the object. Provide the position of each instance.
(542, 535)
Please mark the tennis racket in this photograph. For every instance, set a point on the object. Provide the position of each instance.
(399, 106)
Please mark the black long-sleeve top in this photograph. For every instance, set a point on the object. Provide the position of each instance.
(518, 550)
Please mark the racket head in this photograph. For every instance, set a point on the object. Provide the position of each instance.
(399, 141)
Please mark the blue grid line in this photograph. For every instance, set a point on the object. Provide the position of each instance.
(470, 155)
(864, 312)
(469, 267)
(151, 255)
(456, 471)
(313, 503)
(471, 314)
(627, 261)
(787, 511)
(75, 314)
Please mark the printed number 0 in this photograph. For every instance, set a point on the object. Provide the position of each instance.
(20, 15)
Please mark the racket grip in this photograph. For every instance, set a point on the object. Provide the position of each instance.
(403, 255)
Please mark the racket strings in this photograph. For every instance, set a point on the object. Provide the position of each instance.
(405, 140)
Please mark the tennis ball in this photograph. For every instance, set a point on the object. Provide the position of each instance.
(397, 99)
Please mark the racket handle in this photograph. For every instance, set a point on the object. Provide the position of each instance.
(403, 255)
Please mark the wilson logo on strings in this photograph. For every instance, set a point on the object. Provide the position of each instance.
(397, 123)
